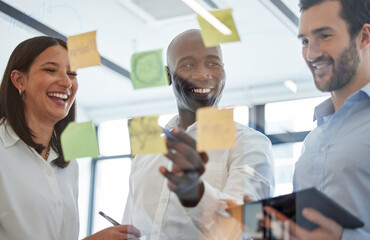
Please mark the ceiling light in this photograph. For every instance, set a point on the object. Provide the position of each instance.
(208, 16)
(292, 86)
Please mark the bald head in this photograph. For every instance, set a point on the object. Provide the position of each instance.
(195, 72)
(185, 42)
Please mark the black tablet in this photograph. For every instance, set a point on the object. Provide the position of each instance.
(291, 205)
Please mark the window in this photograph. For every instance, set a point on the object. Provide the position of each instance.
(288, 118)
(241, 115)
(84, 194)
(114, 138)
(285, 156)
(291, 116)
(111, 189)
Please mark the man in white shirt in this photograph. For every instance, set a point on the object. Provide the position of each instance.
(181, 199)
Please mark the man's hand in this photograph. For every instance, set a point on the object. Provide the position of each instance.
(328, 229)
(118, 232)
(188, 166)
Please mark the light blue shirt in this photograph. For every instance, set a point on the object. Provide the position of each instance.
(336, 157)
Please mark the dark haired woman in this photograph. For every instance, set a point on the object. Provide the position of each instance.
(38, 189)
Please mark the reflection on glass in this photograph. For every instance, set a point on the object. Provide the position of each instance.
(252, 217)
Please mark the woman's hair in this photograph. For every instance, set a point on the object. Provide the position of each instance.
(11, 103)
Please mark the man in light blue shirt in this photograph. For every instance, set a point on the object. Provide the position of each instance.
(335, 158)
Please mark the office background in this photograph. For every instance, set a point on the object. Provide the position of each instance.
(257, 70)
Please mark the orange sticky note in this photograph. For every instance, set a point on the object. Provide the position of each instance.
(215, 129)
(83, 51)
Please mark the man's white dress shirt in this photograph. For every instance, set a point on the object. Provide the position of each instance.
(246, 169)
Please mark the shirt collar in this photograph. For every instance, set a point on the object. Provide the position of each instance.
(7, 134)
(175, 121)
(9, 138)
(366, 89)
(326, 108)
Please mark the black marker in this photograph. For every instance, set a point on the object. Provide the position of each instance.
(109, 219)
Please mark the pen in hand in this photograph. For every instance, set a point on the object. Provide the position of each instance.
(109, 218)
(169, 134)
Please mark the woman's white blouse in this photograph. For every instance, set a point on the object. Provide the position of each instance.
(38, 200)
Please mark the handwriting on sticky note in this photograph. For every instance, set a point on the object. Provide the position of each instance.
(145, 136)
(211, 36)
(147, 70)
(215, 129)
(79, 140)
(83, 51)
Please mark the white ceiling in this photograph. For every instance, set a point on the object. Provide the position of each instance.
(256, 67)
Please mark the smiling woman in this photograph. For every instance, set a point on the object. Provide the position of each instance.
(25, 85)
(38, 188)
(40, 203)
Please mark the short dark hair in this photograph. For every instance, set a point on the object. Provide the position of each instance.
(356, 13)
(11, 103)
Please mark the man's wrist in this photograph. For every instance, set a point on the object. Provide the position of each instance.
(192, 197)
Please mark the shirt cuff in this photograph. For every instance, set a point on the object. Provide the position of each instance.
(355, 234)
(203, 214)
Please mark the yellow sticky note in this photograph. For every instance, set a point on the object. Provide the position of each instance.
(215, 129)
(211, 36)
(145, 136)
(83, 51)
(79, 140)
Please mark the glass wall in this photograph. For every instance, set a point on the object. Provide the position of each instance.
(112, 170)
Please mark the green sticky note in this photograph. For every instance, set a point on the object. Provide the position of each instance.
(79, 140)
(145, 136)
(211, 36)
(147, 69)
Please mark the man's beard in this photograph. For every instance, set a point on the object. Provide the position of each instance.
(344, 69)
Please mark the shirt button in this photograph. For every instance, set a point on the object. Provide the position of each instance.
(48, 172)
(322, 149)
